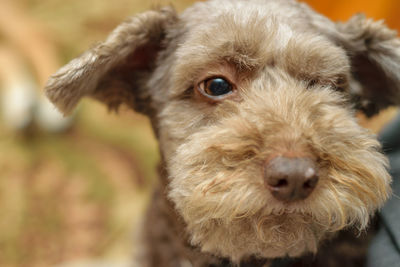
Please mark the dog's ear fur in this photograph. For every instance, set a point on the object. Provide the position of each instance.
(374, 52)
(114, 71)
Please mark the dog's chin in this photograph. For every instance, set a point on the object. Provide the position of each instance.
(272, 236)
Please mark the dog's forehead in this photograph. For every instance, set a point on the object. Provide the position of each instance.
(253, 34)
(206, 12)
(244, 21)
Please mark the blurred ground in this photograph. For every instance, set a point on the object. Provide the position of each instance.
(80, 195)
(77, 195)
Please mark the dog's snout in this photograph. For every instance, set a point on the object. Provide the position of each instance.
(290, 179)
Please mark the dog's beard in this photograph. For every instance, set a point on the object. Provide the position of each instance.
(227, 230)
(269, 236)
(232, 215)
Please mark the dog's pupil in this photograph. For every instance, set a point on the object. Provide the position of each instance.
(218, 86)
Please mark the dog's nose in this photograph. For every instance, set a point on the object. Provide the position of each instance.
(290, 179)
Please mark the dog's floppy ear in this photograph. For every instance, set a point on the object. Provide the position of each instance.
(374, 52)
(114, 71)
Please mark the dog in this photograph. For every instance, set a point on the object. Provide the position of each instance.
(253, 103)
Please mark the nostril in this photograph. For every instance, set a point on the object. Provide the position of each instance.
(282, 183)
(310, 183)
(307, 185)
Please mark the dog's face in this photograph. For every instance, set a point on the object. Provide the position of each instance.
(253, 103)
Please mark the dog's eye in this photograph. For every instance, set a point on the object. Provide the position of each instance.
(215, 88)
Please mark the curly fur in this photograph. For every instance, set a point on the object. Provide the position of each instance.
(300, 78)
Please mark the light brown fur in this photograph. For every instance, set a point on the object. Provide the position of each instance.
(297, 77)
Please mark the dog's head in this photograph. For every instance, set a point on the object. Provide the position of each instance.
(253, 103)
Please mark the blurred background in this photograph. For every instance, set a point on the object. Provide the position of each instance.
(73, 190)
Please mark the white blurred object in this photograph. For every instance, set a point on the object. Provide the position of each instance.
(17, 106)
(17, 90)
(27, 58)
(21, 103)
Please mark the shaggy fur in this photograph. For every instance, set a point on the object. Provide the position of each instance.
(298, 79)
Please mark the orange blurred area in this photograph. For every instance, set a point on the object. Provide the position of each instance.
(344, 9)
(74, 193)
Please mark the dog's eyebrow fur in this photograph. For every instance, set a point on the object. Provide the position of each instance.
(247, 45)
(254, 44)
